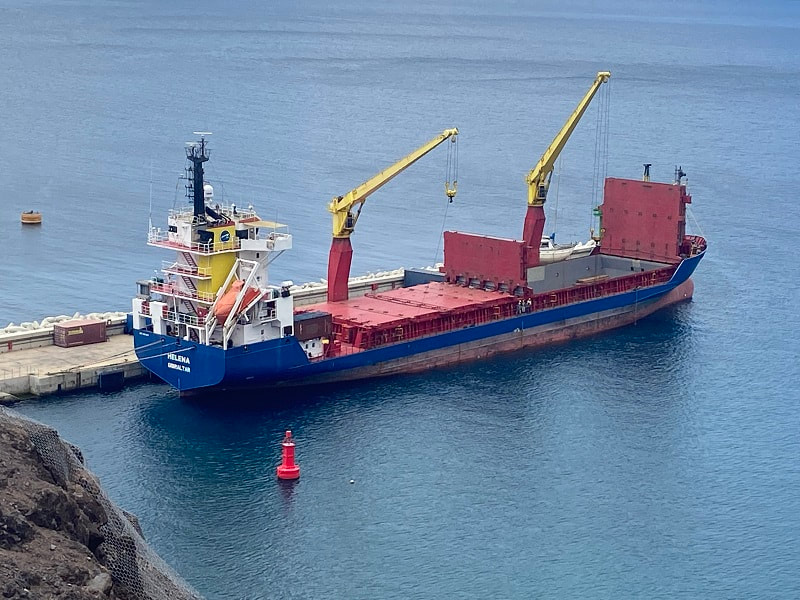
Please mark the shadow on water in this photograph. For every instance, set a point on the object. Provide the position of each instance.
(647, 360)
(643, 365)
(647, 357)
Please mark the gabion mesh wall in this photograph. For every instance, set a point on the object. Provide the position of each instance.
(136, 570)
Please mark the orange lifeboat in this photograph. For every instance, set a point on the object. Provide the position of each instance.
(225, 304)
(31, 217)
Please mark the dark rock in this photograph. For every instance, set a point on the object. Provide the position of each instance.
(95, 518)
(100, 583)
(51, 509)
(74, 574)
(77, 516)
(15, 588)
(74, 593)
(30, 578)
(6, 474)
(133, 520)
(14, 530)
(76, 451)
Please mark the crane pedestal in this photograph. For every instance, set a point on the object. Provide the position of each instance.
(532, 233)
(339, 259)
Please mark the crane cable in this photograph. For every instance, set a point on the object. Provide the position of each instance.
(452, 168)
(555, 207)
(451, 174)
(690, 213)
(600, 166)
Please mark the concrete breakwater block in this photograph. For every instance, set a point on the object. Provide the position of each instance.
(43, 385)
(8, 399)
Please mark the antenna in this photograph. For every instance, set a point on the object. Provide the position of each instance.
(150, 214)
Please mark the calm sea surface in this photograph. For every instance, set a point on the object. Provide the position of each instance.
(659, 461)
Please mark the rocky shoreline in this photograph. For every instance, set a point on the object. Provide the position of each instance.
(60, 535)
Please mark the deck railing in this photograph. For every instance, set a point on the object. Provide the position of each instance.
(159, 238)
(171, 289)
(170, 266)
(698, 244)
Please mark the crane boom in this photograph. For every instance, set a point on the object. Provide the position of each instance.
(344, 217)
(346, 210)
(539, 178)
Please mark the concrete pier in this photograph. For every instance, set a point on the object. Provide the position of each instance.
(51, 369)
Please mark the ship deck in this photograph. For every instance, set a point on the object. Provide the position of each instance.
(403, 314)
(394, 307)
(381, 318)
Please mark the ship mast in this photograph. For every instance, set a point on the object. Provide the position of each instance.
(197, 153)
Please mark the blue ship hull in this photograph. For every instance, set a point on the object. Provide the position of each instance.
(191, 367)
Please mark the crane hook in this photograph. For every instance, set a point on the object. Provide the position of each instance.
(452, 169)
(450, 191)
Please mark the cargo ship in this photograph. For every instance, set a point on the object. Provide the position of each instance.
(214, 322)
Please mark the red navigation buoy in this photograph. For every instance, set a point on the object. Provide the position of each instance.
(287, 469)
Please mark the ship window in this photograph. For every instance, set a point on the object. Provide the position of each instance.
(257, 255)
(262, 332)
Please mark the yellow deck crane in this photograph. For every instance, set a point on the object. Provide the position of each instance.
(346, 210)
(538, 179)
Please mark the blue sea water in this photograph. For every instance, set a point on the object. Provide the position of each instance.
(657, 461)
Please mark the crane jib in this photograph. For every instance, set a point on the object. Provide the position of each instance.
(538, 178)
(345, 217)
(341, 206)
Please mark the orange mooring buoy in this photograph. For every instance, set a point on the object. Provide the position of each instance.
(31, 217)
(287, 469)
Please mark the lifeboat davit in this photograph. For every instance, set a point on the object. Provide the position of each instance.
(225, 304)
